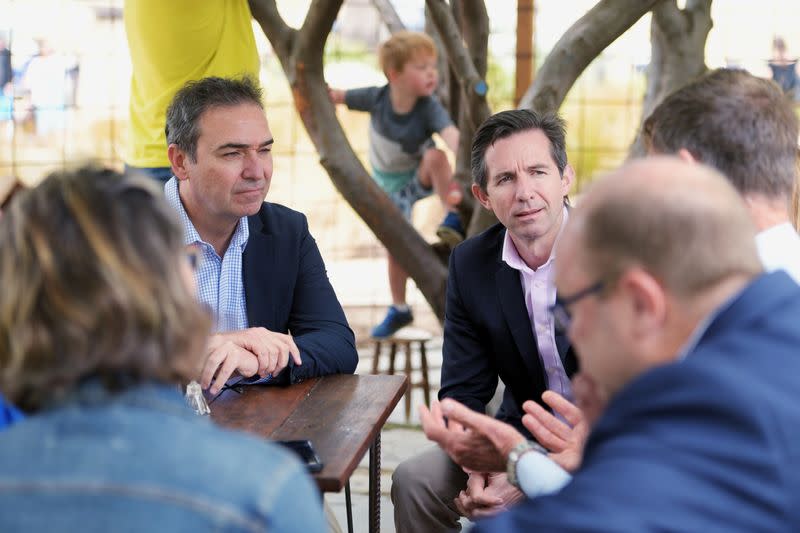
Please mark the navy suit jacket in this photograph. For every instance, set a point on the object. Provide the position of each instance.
(487, 332)
(710, 443)
(287, 290)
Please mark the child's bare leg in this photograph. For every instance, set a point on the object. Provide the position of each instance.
(434, 170)
(397, 281)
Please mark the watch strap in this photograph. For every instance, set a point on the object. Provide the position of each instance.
(515, 454)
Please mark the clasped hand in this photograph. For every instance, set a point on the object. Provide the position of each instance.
(247, 352)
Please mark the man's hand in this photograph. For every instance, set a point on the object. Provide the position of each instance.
(474, 441)
(564, 441)
(246, 352)
(223, 358)
(486, 495)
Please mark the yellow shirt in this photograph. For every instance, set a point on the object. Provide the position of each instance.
(172, 42)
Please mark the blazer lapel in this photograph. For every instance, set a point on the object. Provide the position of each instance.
(258, 266)
(509, 292)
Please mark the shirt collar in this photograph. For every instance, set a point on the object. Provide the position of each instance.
(510, 254)
(190, 233)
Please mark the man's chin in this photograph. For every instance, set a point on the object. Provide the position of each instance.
(249, 209)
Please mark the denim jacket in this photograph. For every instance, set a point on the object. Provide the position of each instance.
(141, 460)
(8, 413)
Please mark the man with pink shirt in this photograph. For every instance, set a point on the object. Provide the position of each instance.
(497, 323)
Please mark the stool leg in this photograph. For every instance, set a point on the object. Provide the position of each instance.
(423, 363)
(392, 353)
(410, 390)
(376, 356)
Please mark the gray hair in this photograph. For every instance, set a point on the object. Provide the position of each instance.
(196, 97)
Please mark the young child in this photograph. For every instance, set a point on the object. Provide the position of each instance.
(405, 164)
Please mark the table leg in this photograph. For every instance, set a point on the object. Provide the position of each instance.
(349, 504)
(375, 485)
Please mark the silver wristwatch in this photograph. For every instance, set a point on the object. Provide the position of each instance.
(513, 457)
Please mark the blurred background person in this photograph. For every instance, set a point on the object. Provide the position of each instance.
(784, 69)
(45, 81)
(98, 327)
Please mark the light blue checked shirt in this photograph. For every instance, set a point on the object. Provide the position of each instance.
(219, 279)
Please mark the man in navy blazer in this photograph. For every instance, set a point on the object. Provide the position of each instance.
(277, 316)
(662, 293)
(496, 318)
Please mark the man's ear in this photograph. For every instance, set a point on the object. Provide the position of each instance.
(567, 178)
(481, 196)
(686, 155)
(647, 301)
(178, 160)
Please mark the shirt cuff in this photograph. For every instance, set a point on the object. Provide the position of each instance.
(538, 475)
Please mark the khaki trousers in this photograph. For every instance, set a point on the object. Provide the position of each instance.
(423, 490)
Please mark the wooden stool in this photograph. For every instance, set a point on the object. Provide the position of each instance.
(406, 338)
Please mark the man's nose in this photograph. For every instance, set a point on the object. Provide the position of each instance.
(526, 188)
(253, 166)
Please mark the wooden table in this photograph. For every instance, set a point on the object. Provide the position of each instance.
(342, 415)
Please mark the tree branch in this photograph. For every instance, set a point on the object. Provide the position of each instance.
(475, 28)
(702, 7)
(581, 43)
(302, 63)
(472, 83)
(316, 27)
(476, 34)
(678, 41)
(280, 35)
(388, 15)
(670, 18)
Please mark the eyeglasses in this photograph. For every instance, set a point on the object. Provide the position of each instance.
(560, 309)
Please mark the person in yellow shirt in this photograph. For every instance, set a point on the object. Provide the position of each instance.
(171, 43)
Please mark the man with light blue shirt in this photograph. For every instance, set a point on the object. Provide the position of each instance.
(261, 274)
(497, 324)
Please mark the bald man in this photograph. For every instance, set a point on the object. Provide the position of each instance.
(663, 295)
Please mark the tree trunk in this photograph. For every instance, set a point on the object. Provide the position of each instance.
(678, 40)
(578, 47)
(388, 15)
(466, 22)
(300, 53)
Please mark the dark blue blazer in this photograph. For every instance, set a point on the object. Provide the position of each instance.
(287, 290)
(487, 332)
(707, 444)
